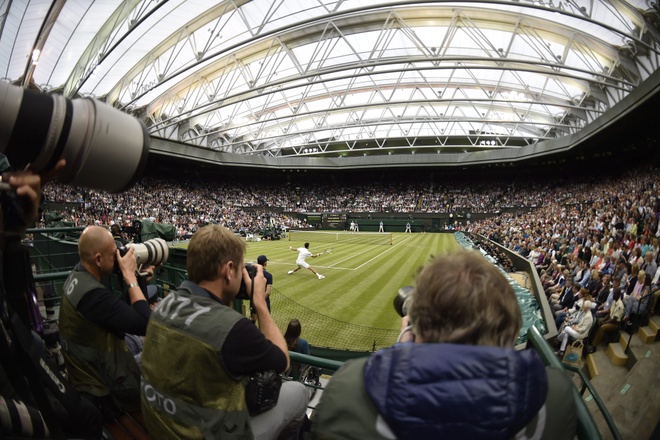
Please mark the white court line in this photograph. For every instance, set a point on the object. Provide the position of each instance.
(332, 266)
(379, 255)
(349, 257)
(288, 263)
(360, 253)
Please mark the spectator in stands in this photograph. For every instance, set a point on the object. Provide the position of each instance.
(649, 266)
(595, 258)
(93, 323)
(634, 303)
(631, 280)
(583, 275)
(569, 315)
(117, 234)
(636, 256)
(296, 344)
(604, 290)
(595, 283)
(450, 377)
(293, 340)
(603, 309)
(199, 350)
(609, 324)
(567, 298)
(620, 270)
(558, 284)
(578, 328)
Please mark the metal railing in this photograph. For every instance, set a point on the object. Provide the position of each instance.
(637, 318)
(586, 427)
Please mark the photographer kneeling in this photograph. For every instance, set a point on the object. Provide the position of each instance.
(94, 321)
(199, 352)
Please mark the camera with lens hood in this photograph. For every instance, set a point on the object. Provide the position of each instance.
(242, 291)
(150, 253)
(104, 148)
(403, 300)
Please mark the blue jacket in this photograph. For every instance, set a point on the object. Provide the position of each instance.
(441, 391)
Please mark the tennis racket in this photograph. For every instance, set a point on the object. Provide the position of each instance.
(327, 251)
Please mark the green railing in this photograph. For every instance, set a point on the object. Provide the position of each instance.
(171, 276)
(586, 427)
(325, 364)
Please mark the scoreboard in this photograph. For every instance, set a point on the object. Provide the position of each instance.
(334, 220)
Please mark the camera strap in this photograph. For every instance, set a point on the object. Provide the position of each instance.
(46, 368)
(252, 309)
(29, 372)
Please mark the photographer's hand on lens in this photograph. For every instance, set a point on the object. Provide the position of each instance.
(407, 334)
(148, 272)
(28, 186)
(127, 264)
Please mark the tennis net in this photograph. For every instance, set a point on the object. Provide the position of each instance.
(375, 238)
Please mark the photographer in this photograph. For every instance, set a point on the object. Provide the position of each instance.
(455, 373)
(94, 321)
(198, 351)
(31, 396)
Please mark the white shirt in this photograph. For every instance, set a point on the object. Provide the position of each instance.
(303, 253)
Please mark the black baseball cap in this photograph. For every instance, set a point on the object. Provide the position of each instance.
(261, 259)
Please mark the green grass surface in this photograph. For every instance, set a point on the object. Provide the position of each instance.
(352, 307)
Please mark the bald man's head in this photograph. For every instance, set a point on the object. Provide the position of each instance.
(96, 249)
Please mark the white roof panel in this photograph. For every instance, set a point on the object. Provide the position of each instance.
(307, 70)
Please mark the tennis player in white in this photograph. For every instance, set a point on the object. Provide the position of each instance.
(303, 253)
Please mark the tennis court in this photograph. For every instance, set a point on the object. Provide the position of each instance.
(352, 307)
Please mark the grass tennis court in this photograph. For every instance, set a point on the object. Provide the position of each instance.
(352, 307)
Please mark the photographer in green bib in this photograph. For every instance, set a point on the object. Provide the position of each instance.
(94, 321)
(199, 352)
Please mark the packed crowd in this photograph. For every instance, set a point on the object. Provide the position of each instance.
(546, 215)
(578, 234)
(614, 213)
(186, 205)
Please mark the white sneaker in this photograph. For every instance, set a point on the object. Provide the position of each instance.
(290, 272)
(321, 277)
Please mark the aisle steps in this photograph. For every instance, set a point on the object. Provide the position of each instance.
(632, 397)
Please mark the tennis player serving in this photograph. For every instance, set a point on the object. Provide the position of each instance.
(303, 253)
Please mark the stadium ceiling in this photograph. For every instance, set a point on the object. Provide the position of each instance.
(376, 82)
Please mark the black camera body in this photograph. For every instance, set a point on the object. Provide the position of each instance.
(403, 300)
(13, 219)
(242, 291)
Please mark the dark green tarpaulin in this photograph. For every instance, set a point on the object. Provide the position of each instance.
(155, 230)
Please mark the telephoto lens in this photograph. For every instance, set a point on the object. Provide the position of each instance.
(151, 252)
(403, 299)
(104, 148)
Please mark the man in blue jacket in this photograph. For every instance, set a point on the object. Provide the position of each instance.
(454, 374)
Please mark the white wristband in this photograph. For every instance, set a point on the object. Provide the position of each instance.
(130, 286)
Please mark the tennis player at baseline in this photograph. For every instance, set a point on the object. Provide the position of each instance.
(303, 253)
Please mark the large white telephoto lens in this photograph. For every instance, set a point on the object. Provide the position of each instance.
(151, 252)
(104, 148)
